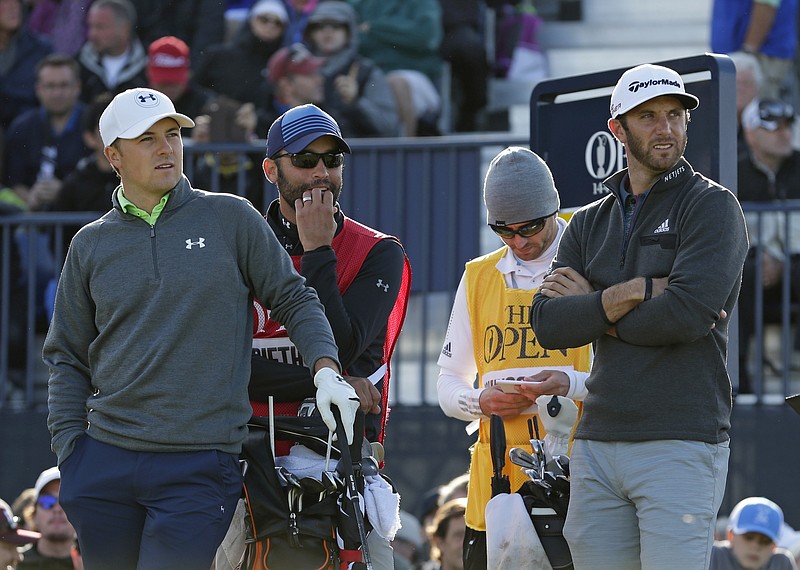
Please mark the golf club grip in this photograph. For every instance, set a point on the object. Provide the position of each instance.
(497, 443)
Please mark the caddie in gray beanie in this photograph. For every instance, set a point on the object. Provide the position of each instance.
(518, 187)
(489, 337)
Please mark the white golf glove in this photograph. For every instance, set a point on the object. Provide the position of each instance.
(333, 389)
(558, 427)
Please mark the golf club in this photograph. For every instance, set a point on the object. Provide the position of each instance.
(521, 458)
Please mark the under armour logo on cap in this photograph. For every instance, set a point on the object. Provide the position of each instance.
(147, 99)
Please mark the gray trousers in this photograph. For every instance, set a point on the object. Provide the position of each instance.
(649, 504)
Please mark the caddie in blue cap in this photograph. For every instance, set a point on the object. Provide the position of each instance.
(300, 126)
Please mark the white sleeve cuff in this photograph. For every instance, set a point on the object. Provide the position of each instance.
(577, 385)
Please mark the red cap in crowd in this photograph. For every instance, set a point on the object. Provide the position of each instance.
(168, 61)
(293, 60)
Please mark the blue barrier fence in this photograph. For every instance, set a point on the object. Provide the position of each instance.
(425, 191)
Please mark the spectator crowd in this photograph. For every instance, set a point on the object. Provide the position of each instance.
(378, 67)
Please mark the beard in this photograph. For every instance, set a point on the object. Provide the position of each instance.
(656, 161)
(290, 192)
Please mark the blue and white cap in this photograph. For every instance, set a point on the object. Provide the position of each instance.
(300, 126)
(757, 514)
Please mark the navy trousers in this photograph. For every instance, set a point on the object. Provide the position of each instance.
(143, 510)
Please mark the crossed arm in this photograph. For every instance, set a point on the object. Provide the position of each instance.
(618, 300)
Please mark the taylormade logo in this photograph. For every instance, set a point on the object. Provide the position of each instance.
(634, 86)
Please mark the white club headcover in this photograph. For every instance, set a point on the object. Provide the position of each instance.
(332, 389)
(558, 427)
(511, 539)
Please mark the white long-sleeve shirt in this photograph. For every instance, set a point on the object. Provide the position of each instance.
(455, 386)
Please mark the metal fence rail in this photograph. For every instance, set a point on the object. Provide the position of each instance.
(425, 191)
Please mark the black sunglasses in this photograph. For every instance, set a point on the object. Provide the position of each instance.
(773, 110)
(323, 25)
(311, 159)
(528, 229)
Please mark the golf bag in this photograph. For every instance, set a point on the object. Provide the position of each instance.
(545, 501)
(285, 526)
(548, 515)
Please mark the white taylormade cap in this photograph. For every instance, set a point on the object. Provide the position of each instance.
(645, 82)
(134, 111)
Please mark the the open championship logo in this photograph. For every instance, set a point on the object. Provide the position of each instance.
(603, 155)
(634, 86)
(146, 99)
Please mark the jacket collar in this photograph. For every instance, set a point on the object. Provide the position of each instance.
(675, 177)
(177, 196)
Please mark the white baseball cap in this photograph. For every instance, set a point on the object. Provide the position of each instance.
(45, 478)
(645, 82)
(134, 111)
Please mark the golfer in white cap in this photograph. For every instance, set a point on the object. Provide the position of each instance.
(149, 350)
(661, 256)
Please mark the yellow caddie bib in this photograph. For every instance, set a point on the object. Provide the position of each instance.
(505, 346)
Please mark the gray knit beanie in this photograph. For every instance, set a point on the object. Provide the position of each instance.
(518, 187)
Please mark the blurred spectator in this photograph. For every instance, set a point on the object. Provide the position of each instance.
(238, 69)
(112, 59)
(403, 37)
(298, 11)
(168, 71)
(518, 54)
(721, 528)
(43, 145)
(217, 118)
(446, 535)
(17, 294)
(225, 121)
(12, 536)
(296, 77)
(89, 186)
(753, 530)
(23, 507)
(748, 82)
(408, 542)
(767, 125)
(20, 51)
(355, 89)
(236, 12)
(199, 23)
(770, 173)
(765, 28)
(240, 175)
(464, 46)
(436, 497)
(62, 22)
(54, 548)
(454, 489)
(794, 549)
